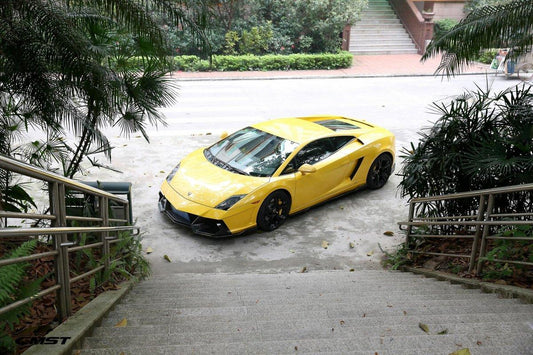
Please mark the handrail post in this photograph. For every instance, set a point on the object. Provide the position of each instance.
(104, 214)
(410, 227)
(58, 208)
(475, 243)
(483, 248)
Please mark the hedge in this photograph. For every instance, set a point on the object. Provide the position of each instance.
(265, 63)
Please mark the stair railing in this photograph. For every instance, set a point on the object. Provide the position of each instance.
(59, 230)
(481, 226)
(420, 29)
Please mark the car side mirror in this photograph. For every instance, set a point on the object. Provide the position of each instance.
(307, 169)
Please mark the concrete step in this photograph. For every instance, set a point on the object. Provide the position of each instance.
(340, 311)
(383, 52)
(211, 323)
(391, 36)
(378, 21)
(329, 341)
(294, 297)
(389, 42)
(347, 327)
(334, 312)
(384, 47)
(378, 30)
(372, 28)
(259, 303)
(290, 348)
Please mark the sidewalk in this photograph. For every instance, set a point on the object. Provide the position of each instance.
(363, 66)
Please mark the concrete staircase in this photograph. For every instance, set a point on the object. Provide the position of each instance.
(380, 32)
(337, 312)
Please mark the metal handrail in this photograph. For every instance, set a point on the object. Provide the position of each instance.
(477, 193)
(59, 230)
(23, 168)
(483, 220)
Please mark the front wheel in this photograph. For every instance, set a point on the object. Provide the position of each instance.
(379, 172)
(274, 210)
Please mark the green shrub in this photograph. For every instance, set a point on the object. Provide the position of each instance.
(256, 40)
(443, 26)
(266, 62)
(486, 56)
(481, 140)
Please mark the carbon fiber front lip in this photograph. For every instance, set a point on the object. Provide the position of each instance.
(199, 225)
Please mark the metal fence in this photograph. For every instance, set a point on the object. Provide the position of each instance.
(62, 231)
(483, 225)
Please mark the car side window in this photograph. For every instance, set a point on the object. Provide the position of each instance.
(316, 151)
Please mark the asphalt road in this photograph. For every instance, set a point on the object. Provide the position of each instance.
(206, 108)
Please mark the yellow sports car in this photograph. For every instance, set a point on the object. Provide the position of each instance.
(259, 175)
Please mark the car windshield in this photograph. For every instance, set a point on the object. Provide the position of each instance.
(250, 151)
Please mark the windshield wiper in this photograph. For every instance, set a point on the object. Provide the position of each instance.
(213, 159)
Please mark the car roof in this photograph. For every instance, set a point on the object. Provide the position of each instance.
(304, 129)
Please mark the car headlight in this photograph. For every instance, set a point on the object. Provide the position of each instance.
(228, 203)
(173, 172)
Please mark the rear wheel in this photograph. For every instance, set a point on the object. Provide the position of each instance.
(274, 210)
(379, 172)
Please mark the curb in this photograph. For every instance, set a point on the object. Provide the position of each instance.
(333, 76)
(505, 291)
(81, 323)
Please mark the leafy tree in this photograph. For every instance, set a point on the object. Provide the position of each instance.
(507, 25)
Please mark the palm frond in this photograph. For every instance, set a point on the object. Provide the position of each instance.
(509, 25)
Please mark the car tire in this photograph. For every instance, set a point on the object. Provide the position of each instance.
(379, 172)
(274, 210)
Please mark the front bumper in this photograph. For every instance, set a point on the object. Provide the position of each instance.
(198, 224)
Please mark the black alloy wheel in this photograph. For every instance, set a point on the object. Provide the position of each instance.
(274, 210)
(379, 172)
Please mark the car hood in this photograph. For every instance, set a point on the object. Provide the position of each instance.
(200, 181)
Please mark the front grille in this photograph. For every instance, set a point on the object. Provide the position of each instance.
(199, 225)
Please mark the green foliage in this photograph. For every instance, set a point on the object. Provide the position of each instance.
(443, 26)
(15, 199)
(480, 141)
(14, 288)
(126, 260)
(508, 249)
(89, 46)
(487, 55)
(396, 259)
(472, 5)
(266, 62)
(310, 25)
(507, 25)
(232, 39)
(274, 26)
(257, 40)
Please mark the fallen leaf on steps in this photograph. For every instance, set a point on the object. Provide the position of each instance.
(122, 323)
(424, 327)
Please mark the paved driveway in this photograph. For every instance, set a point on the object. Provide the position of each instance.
(207, 108)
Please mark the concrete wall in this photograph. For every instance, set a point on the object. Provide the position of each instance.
(448, 10)
(445, 9)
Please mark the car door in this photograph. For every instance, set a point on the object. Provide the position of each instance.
(331, 169)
